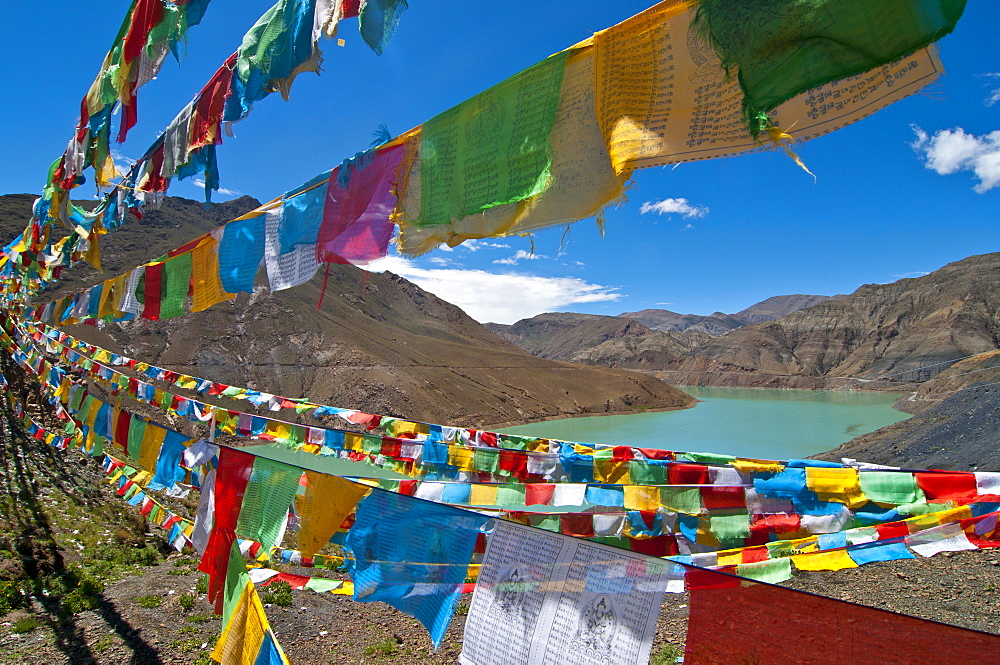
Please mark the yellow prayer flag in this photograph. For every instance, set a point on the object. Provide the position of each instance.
(353, 441)
(757, 466)
(840, 485)
(730, 558)
(833, 560)
(152, 441)
(242, 637)
(483, 495)
(205, 280)
(461, 457)
(327, 502)
(921, 522)
(642, 497)
(663, 97)
(612, 471)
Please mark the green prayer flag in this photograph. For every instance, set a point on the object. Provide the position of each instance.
(486, 459)
(730, 529)
(643, 473)
(510, 495)
(269, 494)
(236, 580)
(136, 430)
(890, 487)
(547, 522)
(514, 442)
(321, 585)
(371, 444)
(782, 48)
(707, 458)
(491, 149)
(675, 499)
(177, 283)
(772, 571)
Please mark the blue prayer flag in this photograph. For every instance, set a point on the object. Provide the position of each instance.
(413, 555)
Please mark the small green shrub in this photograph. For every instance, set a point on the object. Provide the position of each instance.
(386, 647)
(149, 602)
(667, 655)
(77, 601)
(11, 597)
(202, 585)
(199, 618)
(186, 601)
(25, 625)
(279, 593)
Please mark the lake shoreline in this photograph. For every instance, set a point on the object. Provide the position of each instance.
(900, 394)
(746, 422)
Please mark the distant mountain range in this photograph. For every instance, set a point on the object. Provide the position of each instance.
(882, 335)
(718, 323)
(379, 343)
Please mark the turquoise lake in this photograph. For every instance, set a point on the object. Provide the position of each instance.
(747, 422)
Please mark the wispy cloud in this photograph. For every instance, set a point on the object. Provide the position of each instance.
(501, 298)
(681, 207)
(122, 162)
(995, 92)
(200, 184)
(520, 255)
(474, 245)
(911, 274)
(952, 150)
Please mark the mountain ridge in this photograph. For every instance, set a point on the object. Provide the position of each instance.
(882, 336)
(379, 343)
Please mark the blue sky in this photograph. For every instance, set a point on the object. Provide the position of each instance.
(748, 227)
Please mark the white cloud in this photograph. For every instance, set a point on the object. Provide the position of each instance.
(440, 261)
(495, 297)
(520, 255)
(952, 150)
(474, 245)
(674, 207)
(995, 93)
(122, 162)
(911, 274)
(200, 184)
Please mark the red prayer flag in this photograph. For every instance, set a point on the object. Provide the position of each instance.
(658, 546)
(892, 530)
(206, 117)
(688, 474)
(941, 487)
(356, 227)
(723, 497)
(580, 525)
(151, 292)
(231, 478)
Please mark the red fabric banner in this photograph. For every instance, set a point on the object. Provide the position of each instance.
(734, 620)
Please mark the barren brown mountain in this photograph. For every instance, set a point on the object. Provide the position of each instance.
(379, 343)
(881, 336)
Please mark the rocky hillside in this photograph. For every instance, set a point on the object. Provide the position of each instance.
(958, 432)
(379, 343)
(881, 336)
(718, 323)
(897, 334)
